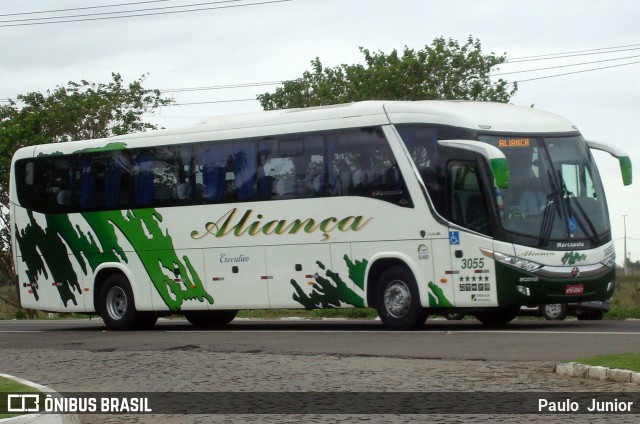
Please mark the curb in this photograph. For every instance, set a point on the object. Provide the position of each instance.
(574, 369)
(39, 418)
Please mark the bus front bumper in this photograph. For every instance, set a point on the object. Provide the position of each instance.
(553, 285)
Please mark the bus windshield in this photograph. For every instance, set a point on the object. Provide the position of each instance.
(555, 191)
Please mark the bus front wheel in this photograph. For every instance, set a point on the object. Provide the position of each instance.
(398, 299)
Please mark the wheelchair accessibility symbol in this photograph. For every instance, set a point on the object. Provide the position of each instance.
(454, 237)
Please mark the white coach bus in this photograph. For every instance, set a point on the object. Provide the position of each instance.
(408, 207)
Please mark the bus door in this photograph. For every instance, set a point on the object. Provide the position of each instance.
(470, 231)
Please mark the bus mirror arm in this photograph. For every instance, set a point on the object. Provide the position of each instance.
(622, 156)
(494, 156)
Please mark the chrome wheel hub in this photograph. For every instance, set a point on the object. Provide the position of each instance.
(116, 303)
(397, 299)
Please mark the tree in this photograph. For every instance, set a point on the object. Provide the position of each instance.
(444, 70)
(77, 111)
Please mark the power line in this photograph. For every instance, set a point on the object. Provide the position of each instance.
(221, 87)
(211, 102)
(564, 56)
(115, 12)
(564, 66)
(577, 72)
(84, 8)
(574, 51)
(8, 24)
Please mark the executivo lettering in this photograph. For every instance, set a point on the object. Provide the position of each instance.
(247, 224)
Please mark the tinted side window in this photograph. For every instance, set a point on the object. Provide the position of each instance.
(356, 162)
(291, 167)
(101, 181)
(225, 172)
(162, 176)
(468, 207)
(52, 184)
(25, 179)
(422, 143)
(361, 164)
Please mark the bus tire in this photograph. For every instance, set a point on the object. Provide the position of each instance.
(144, 320)
(116, 304)
(398, 299)
(498, 316)
(210, 319)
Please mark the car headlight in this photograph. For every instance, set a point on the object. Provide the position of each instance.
(524, 264)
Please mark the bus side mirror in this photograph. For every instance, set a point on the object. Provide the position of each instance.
(500, 168)
(494, 156)
(624, 159)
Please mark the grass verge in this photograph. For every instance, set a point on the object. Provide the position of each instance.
(351, 313)
(625, 361)
(8, 386)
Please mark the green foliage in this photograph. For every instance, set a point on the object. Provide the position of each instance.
(349, 313)
(10, 308)
(444, 70)
(626, 298)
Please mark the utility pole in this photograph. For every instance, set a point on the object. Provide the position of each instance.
(624, 220)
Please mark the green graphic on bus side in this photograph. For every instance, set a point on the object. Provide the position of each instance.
(109, 147)
(437, 297)
(142, 229)
(333, 292)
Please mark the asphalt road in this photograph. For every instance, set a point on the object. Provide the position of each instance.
(522, 340)
(317, 356)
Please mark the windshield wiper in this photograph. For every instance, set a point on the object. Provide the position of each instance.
(570, 196)
(548, 217)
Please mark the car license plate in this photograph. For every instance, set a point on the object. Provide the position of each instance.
(574, 289)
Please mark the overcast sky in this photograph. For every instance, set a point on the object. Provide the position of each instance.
(243, 41)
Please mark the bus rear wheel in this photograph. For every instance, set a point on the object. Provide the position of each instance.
(210, 319)
(116, 304)
(398, 299)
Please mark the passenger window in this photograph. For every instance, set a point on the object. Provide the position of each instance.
(52, 185)
(225, 172)
(25, 184)
(291, 168)
(162, 176)
(362, 164)
(101, 181)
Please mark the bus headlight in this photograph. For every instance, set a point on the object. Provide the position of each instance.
(524, 264)
(609, 262)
